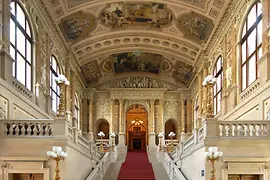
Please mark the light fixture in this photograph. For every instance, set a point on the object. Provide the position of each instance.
(101, 134)
(213, 155)
(171, 135)
(160, 136)
(57, 154)
(62, 82)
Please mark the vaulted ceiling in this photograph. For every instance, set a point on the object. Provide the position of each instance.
(158, 39)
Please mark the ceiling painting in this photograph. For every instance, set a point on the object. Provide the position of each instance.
(137, 62)
(78, 26)
(195, 27)
(118, 14)
(91, 71)
(183, 72)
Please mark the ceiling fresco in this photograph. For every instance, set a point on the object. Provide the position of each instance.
(119, 14)
(195, 27)
(136, 62)
(78, 26)
(160, 39)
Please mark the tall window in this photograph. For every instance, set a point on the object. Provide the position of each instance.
(21, 43)
(55, 91)
(251, 45)
(77, 110)
(218, 73)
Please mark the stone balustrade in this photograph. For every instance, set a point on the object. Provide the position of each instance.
(27, 128)
(101, 168)
(171, 168)
(243, 128)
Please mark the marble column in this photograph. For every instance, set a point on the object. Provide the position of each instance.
(152, 135)
(189, 116)
(183, 117)
(68, 92)
(160, 116)
(112, 128)
(204, 98)
(85, 112)
(121, 134)
(200, 99)
(91, 120)
(75, 120)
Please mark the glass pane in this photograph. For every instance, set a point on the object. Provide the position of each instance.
(244, 53)
(28, 29)
(251, 42)
(20, 69)
(218, 65)
(259, 53)
(252, 70)
(54, 102)
(28, 76)
(244, 30)
(12, 32)
(12, 52)
(251, 17)
(259, 11)
(215, 105)
(218, 83)
(244, 74)
(20, 42)
(28, 51)
(13, 69)
(12, 8)
(20, 16)
(259, 36)
(218, 102)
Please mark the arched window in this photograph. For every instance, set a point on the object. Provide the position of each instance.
(21, 45)
(251, 45)
(55, 91)
(77, 110)
(218, 73)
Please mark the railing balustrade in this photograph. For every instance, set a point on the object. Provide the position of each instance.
(243, 128)
(27, 128)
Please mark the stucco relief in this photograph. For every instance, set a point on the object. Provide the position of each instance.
(137, 82)
(3, 107)
(171, 110)
(103, 110)
(145, 103)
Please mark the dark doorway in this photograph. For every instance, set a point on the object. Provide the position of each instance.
(137, 144)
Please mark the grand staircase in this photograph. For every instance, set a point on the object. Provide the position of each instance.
(136, 167)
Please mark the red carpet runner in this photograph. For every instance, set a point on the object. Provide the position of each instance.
(136, 167)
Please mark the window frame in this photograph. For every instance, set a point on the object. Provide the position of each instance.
(24, 31)
(217, 74)
(55, 91)
(244, 39)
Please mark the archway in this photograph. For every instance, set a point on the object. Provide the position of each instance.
(104, 126)
(170, 126)
(137, 123)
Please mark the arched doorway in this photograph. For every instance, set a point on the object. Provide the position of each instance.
(137, 123)
(170, 126)
(104, 126)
